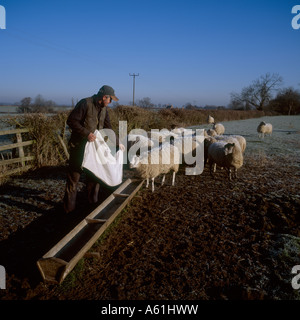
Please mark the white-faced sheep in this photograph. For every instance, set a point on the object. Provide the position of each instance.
(219, 128)
(264, 128)
(141, 140)
(227, 155)
(137, 143)
(210, 119)
(160, 160)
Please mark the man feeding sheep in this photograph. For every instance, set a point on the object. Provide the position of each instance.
(89, 114)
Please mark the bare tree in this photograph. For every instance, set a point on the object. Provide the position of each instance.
(287, 101)
(42, 105)
(146, 103)
(259, 93)
(25, 105)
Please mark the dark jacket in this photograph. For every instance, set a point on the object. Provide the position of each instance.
(86, 117)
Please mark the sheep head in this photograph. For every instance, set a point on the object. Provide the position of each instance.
(228, 148)
(134, 162)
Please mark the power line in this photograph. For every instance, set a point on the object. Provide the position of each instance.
(134, 75)
(33, 40)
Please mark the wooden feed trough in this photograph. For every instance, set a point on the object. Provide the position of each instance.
(62, 258)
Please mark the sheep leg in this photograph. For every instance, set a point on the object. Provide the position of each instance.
(173, 178)
(235, 173)
(147, 183)
(215, 167)
(163, 179)
(152, 184)
(210, 169)
(229, 174)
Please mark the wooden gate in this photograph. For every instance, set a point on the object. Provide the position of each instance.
(20, 162)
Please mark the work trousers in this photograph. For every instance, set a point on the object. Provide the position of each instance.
(73, 177)
(71, 190)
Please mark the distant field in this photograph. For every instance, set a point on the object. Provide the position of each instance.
(285, 139)
(8, 109)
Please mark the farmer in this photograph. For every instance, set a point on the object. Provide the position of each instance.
(88, 115)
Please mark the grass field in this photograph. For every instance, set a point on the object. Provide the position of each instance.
(283, 141)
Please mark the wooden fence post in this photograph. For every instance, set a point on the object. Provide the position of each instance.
(20, 148)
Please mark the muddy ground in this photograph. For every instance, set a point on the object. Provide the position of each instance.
(203, 239)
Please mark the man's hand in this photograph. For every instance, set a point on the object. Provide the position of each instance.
(121, 147)
(91, 137)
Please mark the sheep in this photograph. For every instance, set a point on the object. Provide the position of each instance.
(240, 139)
(159, 160)
(232, 139)
(226, 155)
(207, 142)
(210, 132)
(179, 131)
(137, 143)
(141, 140)
(210, 119)
(219, 128)
(158, 135)
(264, 128)
(180, 142)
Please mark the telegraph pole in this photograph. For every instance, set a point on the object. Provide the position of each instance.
(134, 75)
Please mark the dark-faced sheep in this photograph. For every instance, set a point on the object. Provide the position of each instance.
(226, 155)
(264, 128)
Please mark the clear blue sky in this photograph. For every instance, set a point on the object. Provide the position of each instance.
(184, 51)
